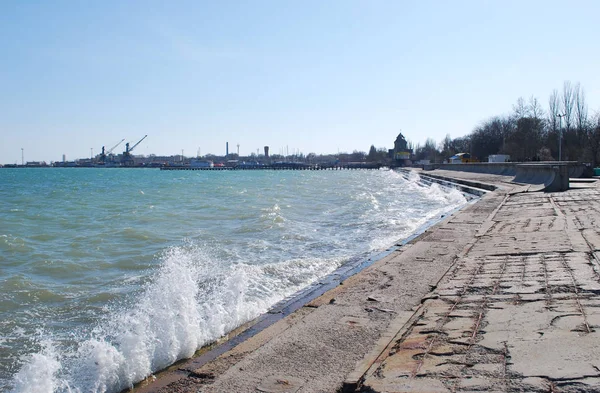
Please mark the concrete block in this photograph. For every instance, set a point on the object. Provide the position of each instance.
(556, 355)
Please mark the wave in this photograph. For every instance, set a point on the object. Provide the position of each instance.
(191, 301)
(232, 272)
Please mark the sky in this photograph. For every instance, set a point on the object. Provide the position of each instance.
(308, 76)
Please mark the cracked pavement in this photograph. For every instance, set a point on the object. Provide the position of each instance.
(518, 312)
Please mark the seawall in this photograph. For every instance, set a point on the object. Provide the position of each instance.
(549, 176)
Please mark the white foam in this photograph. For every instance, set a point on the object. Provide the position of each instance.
(199, 292)
(190, 302)
(39, 374)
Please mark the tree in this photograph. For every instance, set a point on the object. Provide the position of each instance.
(377, 155)
(594, 140)
(520, 108)
(522, 135)
(372, 156)
(572, 148)
(489, 138)
(382, 155)
(358, 156)
(532, 133)
(447, 147)
(583, 126)
(535, 109)
(525, 142)
(462, 144)
(428, 151)
(580, 107)
(552, 132)
(567, 104)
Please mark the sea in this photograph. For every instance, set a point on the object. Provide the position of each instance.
(108, 275)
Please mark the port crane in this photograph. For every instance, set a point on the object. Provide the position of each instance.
(127, 159)
(109, 152)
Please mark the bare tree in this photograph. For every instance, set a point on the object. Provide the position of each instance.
(572, 146)
(535, 109)
(553, 123)
(581, 112)
(567, 105)
(446, 147)
(594, 139)
(553, 107)
(490, 136)
(520, 108)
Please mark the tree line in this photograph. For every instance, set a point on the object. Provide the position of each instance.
(529, 132)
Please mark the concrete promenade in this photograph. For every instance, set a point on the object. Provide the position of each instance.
(502, 296)
(518, 312)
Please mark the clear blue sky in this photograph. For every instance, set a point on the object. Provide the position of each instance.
(319, 76)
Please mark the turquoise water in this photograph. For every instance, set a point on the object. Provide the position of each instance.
(107, 275)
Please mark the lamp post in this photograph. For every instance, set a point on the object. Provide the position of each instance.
(560, 117)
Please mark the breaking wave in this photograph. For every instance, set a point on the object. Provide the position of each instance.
(206, 286)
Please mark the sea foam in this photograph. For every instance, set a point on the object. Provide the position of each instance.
(190, 301)
(202, 288)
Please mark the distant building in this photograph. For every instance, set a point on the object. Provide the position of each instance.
(462, 158)
(36, 163)
(400, 143)
(201, 164)
(401, 151)
(403, 155)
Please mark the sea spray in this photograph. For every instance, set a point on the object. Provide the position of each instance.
(39, 373)
(190, 301)
(165, 276)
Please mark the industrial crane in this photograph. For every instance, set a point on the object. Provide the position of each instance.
(127, 159)
(104, 154)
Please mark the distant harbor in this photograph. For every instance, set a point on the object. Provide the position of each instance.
(235, 167)
(277, 166)
(400, 155)
(229, 166)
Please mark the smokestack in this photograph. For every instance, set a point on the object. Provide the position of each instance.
(266, 151)
(226, 149)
